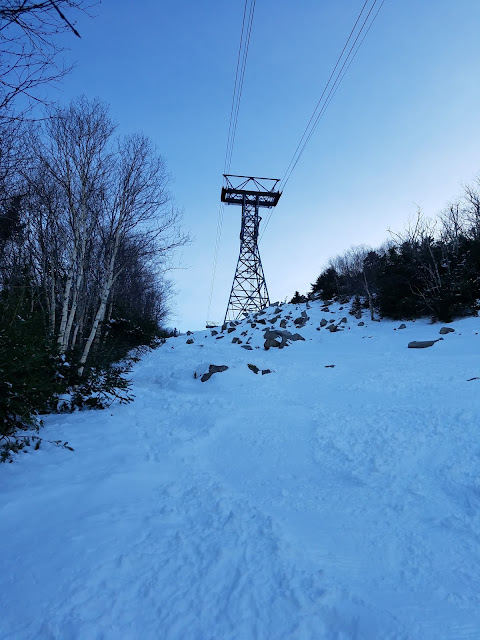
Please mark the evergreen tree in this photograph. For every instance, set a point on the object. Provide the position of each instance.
(327, 284)
(297, 298)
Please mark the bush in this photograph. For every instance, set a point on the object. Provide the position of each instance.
(30, 377)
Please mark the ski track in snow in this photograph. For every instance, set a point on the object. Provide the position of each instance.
(310, 503)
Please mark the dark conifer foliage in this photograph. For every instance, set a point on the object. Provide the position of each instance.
(297, 298)
(327, 284)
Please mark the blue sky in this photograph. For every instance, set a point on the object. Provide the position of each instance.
(402, 130)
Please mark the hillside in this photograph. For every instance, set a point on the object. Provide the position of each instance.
(335, 497)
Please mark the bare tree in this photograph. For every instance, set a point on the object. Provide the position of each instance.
(472, 209)
(30, 49)
(138, 211)
(99, 208)
(74, 155)
(453, 224)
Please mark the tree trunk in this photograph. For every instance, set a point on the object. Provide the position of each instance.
(52, 302)
(370, 297)
(65, 305)
(100, 315)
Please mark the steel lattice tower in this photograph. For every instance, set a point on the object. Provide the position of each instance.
(249, 289)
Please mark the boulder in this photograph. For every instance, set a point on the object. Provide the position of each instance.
(361, 324)
(421, 344)
(277, 310)
(402, 326)
(323, 322)
(283, 323)
(213, 368)
(358, 316)
(444, 330)
(332, 328)
(190, 341)
(262, 321)
(277, 338)
(224, 326)
(300, 322)
(230, 329)
(214, 333)
(274, 342)
(253, 368)
(265, 371)
(344, 320)
(235, 340)
(247, 346)
(295, 337)
(189, 333)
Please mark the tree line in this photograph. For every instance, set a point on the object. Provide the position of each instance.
(87, 230)
(431, 269)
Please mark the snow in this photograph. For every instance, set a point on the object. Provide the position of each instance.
(313, 502)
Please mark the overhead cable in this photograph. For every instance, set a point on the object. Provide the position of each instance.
(243, 48)
(338, 79)
(242, 57)
(340, 69)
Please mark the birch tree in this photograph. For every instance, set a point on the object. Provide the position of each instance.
(99, 207)
(76, 156)
(138, 209)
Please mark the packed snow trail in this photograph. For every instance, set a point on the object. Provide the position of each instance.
(310, 503)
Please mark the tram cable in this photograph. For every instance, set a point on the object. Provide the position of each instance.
(331, 88)
(243, 47)
(349, 51)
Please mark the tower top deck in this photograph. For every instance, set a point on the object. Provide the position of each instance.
(250, 190)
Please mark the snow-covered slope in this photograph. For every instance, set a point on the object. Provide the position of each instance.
(337, 496)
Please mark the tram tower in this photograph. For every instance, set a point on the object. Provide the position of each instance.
(249, 290)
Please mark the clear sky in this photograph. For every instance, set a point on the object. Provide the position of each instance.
(402, 130)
